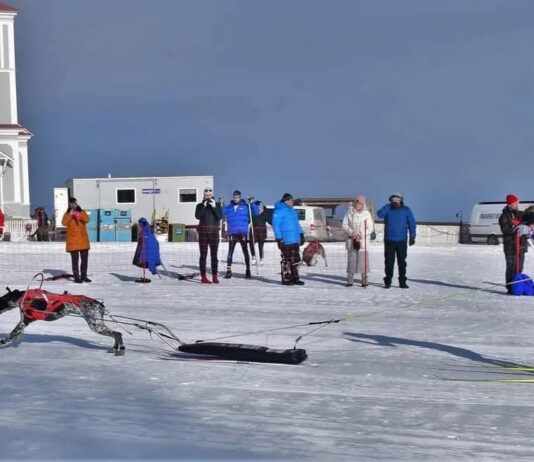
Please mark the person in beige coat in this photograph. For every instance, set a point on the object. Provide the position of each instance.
(358, 224)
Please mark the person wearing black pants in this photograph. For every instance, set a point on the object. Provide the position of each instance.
(237, 215)
(209, 213)
(398, 222)
(514, 245)
(258, 232)
(75, 220)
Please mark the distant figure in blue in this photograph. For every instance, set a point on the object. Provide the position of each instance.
(147, 251)
(238, 221)
(290, 237)
(398, 222)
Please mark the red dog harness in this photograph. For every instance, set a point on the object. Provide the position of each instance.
(39, 305)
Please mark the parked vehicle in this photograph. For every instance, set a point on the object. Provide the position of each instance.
(336, 233)
(312, 220)
(484, 222)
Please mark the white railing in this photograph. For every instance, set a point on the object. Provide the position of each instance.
(19, 229)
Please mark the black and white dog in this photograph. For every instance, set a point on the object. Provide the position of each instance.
(40, 305)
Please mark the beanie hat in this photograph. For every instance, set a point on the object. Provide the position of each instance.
(361, 199)
(286, 197)
(396, 196)
(237, 193)
(72, 199)
(511, 199)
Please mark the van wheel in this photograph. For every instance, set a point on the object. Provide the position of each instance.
(493, 240)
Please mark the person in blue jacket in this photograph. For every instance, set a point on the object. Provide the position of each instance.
(398, 222)
(290, 237)
(238, 221)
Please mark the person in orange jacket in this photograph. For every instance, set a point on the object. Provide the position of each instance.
(76, 219)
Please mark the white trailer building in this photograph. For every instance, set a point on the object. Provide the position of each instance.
(144, 196)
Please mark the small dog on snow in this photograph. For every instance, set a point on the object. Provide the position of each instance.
(311, 253)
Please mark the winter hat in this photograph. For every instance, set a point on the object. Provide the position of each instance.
(236, 193)
(72, 200)
(511, 199)
(396, 196)
(259, 203)
(286, 197)
(361, 199)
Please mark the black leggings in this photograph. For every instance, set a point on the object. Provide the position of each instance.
(75, 257)
(208, 237)
(233, 240)
(260, 235)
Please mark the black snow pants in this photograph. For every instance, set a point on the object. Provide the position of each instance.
(208, 237)
(398, 249)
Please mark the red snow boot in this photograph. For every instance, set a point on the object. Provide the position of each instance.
(205, 280)
(215, 279)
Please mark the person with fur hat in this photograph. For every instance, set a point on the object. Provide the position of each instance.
(75, 220)
(290, 237)
(358, 224)
(515, 245)
(398, 222)
(238, 221)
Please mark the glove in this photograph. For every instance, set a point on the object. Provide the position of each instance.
(373, 235)
(211, 202)
(412, 241)
(279, 243)
(516, 222)
(302, 240)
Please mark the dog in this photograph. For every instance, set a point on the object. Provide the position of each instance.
(311, 253)
(40, 305)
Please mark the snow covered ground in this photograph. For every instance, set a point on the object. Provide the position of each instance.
(369, 391)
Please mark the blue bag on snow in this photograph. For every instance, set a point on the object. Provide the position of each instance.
(522, 285)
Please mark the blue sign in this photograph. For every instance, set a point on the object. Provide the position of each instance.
(151, 191)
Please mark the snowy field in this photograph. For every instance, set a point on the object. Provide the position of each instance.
(371, 390)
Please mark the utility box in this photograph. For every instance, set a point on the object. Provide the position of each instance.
(176, 232)
(123, 225)
(92, 226)
(107, 225)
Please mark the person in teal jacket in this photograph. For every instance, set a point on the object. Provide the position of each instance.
(289, 235)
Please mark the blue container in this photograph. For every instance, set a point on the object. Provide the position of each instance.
(92, 226)
(107, 225)
(123, 225)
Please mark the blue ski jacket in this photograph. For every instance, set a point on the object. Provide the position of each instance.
(286, 224)
(398, 222)
(237, 217)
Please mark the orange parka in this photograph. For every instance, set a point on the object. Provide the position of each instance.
(77, 238)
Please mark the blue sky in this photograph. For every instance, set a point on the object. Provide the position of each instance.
(433, 99)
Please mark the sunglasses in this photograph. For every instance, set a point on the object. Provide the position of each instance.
(208, 190)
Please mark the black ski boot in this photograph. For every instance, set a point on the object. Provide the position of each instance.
(402, 284)
(247, 274)
(228, 274)
(85, 278)
(387, 283)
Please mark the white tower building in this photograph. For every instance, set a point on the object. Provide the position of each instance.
(14, 177)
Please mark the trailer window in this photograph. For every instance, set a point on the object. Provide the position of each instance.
(187, 195)
(125, 196)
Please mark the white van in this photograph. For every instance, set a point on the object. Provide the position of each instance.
(484, 225)
(312, 221)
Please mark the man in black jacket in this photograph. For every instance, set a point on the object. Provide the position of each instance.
(209, 213)
(258, 230)
(514, 245)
